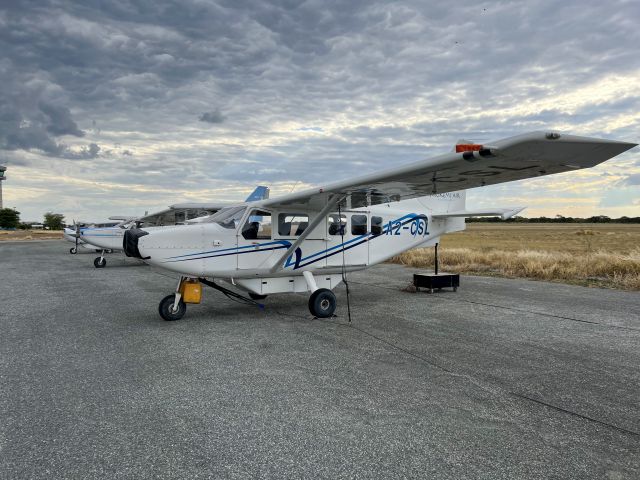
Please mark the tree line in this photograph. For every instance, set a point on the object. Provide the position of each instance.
(556, 219)
(10, 218)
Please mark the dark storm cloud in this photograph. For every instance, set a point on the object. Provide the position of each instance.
(212, 117)
(59, 120)
(311, 90)
(33, 117)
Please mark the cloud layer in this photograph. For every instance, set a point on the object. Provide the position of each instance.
(119, 107)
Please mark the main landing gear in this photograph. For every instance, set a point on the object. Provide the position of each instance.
(322, 302)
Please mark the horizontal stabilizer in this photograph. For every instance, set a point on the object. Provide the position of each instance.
(503, 213)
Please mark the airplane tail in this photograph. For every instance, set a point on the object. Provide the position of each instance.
(260, 193)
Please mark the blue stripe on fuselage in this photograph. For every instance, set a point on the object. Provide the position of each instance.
(354, 242)
(232, 251)
(361, 239)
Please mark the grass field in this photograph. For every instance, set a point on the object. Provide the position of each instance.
(11, 235)
(603, 255)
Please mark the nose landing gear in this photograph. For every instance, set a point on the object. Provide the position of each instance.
(189, 290)
(174, 306)
(100, 262)
(168, 309)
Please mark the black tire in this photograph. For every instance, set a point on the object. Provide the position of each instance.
(256, 296)
(73, 250)
(166, 306)
(322, 303)
(99, 264)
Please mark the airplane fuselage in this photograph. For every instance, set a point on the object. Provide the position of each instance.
(349, 240)
(106, 238)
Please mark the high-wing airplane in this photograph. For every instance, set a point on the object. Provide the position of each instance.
(110, 238)
(72, 234)
(306, 241)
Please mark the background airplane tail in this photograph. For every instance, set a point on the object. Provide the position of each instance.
(260, 193)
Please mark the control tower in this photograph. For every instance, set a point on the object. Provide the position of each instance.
(2, 177)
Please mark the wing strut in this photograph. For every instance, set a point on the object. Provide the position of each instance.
(333, 201)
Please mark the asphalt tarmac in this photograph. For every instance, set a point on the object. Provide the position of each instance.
(502, 379)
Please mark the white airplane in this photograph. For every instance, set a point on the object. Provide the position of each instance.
(72, 234)
(109, 239)
(306, 241)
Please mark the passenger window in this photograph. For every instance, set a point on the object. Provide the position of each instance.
(376, 225)
(337, 224)
(292, 224)
(358, 224)
(258, 226)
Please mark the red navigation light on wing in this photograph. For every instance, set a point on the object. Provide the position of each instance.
(468, 147)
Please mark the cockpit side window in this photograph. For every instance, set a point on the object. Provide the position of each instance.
(257, 226)
(228, 217)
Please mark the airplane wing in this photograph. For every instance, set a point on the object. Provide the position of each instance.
(529, 155)
(504, 213)
(260, 193)
(198, 206)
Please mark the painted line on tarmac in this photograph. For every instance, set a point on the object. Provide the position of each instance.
(522, 310)
(564, 410)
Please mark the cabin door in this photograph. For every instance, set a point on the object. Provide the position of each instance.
(310, 253)
(348, 236)
(256, 249)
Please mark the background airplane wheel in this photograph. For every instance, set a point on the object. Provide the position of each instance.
(322, 303)
(100, 264)
(73, 250)
(166, 308)
(256, 296)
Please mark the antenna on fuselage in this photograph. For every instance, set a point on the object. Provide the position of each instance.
(344, 268)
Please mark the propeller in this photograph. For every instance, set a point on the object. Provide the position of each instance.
(77, 235)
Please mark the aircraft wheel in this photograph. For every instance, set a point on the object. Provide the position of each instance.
(256, 296)
(100, 262)
(322, 303)
(73, 250)
(166, 308)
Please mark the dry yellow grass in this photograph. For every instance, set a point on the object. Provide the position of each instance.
(14, 235)
(586, 254)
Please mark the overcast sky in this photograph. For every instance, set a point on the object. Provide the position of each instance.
(120, 107)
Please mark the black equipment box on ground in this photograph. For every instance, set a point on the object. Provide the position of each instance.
(432, 281)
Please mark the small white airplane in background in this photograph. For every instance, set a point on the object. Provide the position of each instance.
(109, 239)
(306, 241)
(72, 234)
